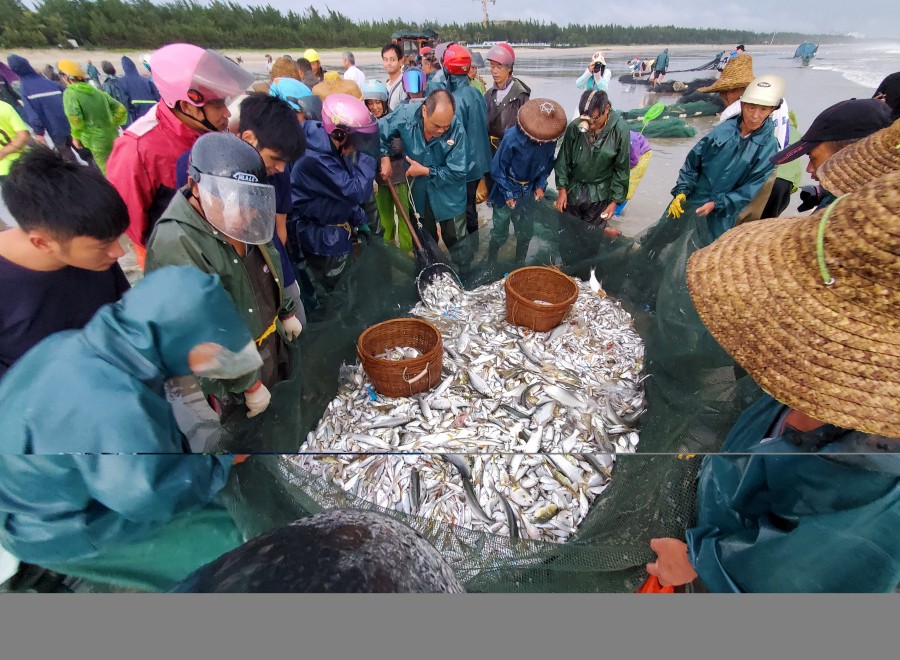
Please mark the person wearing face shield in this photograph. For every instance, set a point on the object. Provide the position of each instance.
(194, 85)
(222, 222)
(66, 503)
(329, 187)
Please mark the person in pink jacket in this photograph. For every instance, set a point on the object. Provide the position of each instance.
(193, 84)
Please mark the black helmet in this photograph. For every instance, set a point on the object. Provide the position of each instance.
(226, 155)
(233, 189)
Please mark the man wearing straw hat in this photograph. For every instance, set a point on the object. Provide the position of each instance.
(519, 172)
(812, 501)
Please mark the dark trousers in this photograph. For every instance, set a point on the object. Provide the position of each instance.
(578, 242)
(779, 199)
(471, 210)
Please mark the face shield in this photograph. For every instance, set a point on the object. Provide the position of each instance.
(215, 361)
(365, 143)
(241, 210)
(215, 77)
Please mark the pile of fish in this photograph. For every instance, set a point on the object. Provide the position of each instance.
(519, 436)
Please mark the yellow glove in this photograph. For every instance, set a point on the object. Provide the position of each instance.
(675, 208)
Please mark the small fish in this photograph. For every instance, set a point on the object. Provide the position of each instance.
(415, 490)
(510, 518)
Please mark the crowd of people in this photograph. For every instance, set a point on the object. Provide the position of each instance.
(244, 201)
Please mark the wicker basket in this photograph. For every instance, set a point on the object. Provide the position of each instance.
(527, 285)
(402, 377)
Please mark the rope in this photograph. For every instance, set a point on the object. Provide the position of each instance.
(827, 279)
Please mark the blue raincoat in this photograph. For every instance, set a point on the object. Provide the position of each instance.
(328, 192)
(141, 91)
(472, 113)
(100, 389)
(726, 169)
(801, 512)
(520, 166)
(43, 102)
(444, 156)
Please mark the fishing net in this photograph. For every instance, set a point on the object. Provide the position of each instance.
(694, 394)
(670, 127)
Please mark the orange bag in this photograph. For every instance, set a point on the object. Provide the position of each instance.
(652, 586)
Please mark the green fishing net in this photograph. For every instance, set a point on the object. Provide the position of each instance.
(694, 394)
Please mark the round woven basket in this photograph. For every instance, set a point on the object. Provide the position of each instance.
(527, 285)
(402, 377)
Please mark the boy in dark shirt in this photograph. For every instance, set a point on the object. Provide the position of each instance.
(60, 264)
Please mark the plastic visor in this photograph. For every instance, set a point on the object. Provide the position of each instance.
(216, 77)
(241, 210)
(366, 143)
(227, 365)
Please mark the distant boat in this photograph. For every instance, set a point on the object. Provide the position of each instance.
(806, 51)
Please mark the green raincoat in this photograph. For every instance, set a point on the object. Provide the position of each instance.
(801, 512)
(95, 118)
(80, 395)
(603, 168)
(182, 237)
(445, 157)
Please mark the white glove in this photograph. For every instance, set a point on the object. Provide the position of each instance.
(257, 400)
(292, 327)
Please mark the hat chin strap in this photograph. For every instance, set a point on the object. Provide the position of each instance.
(203, 122)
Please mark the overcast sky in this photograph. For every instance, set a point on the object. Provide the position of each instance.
(873, 18)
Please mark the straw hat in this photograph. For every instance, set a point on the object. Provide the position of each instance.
(542, 120)
(830, 351)
(736, 74)
(284, 68)
(339, 86)
(856, 165)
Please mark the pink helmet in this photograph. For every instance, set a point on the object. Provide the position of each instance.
(347, 113)
(184, 72)
(502, 54)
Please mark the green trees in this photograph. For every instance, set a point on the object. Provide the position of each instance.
(141, 24)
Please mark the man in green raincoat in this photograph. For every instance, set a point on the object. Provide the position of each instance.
(94, 115)
(143, 522)
(435, 144)
(805, 494)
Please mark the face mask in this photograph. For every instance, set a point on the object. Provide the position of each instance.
(215, 361)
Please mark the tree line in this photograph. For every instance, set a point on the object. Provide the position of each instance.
(141, 24)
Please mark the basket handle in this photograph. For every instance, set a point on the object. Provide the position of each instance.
(410, 381)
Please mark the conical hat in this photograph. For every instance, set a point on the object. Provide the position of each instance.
(738, 73)
(810, 306)
(542, 120)
(856, 165)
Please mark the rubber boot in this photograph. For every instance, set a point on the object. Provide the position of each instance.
(493, 251)
(521, 251)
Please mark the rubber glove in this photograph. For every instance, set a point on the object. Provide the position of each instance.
(292, 327)
(257, 399)
(676, 208)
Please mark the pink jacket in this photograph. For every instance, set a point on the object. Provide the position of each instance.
(142, 167)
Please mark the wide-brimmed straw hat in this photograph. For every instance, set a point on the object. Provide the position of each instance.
(854, 166)
(738, 73)
(542, 120)
(831, 351)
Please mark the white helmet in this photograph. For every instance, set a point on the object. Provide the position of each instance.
(765, 90)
